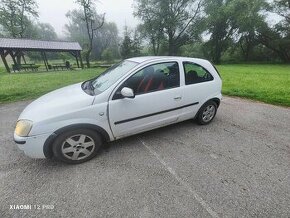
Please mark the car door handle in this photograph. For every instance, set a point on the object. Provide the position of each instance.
(178, 98)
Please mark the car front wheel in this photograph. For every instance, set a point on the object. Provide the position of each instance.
(77, 146)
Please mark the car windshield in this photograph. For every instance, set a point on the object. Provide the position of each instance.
(112, 75)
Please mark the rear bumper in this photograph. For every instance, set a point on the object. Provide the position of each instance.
(32, 146)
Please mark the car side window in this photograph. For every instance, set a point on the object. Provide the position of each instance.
(195, 73)
(153, 78)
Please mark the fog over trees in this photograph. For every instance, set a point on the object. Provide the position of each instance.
(219, 30)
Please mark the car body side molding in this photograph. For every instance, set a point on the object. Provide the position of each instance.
(154, 114)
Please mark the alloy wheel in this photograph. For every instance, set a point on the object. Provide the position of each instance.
(208, 113)
(78, 147)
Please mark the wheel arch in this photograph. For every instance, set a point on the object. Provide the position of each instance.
(47, 148)
(216, 100)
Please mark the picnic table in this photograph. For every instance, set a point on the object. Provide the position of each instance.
(62, 66)
(19, 67)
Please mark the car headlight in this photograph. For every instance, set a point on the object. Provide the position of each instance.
(23, 128)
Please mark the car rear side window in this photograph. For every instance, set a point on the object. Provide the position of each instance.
(195, 73)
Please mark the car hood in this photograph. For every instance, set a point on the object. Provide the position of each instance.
(60, 101)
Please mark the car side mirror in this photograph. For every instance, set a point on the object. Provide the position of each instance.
(127, 92)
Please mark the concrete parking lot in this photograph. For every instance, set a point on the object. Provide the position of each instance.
(238, 166)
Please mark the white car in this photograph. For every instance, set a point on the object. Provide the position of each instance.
(133, 96)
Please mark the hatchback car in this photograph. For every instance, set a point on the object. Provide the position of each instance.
(133, 96)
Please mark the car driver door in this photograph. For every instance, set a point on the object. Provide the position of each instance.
(155, 104)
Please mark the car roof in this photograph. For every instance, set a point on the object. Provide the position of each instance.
(161, 58)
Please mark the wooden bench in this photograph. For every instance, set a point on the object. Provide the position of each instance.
(19, 67)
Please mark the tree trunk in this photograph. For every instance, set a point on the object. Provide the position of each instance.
(88, 54)
(90, 37)
(154, 46)
(88, 60)
(171, 47)
(284, 56)
(217, 52)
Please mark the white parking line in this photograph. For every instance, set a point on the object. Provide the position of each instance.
(195, 195)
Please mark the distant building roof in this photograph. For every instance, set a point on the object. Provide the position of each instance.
(28, 44)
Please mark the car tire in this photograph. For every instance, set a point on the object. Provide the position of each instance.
(207, 113)
(77, 146)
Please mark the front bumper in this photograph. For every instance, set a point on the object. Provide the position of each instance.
(32, 145)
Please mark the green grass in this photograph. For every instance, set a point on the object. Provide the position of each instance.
(266, 83)
(23, 86)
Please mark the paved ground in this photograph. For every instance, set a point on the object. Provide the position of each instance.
(239, 166)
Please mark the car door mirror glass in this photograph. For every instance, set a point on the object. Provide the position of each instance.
(127, 92)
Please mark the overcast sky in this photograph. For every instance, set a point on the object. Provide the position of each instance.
(118, 11)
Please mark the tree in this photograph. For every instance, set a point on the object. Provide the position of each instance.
(168, 18)
(232, 22)
(152, 27)
(136, 43)
(76, 28)
(282, 8)
(277, 38)
(105, 38)
(131, 45)
(155, 37)
(107, 55)
(93, 22)
(45, 31)
(248, 18)
(219, 27)
(15, 16)
(126, 46)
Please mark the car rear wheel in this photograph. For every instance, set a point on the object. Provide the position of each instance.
(207, 113)
(77, 146)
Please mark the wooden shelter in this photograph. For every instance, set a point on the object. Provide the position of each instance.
(17, 47)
